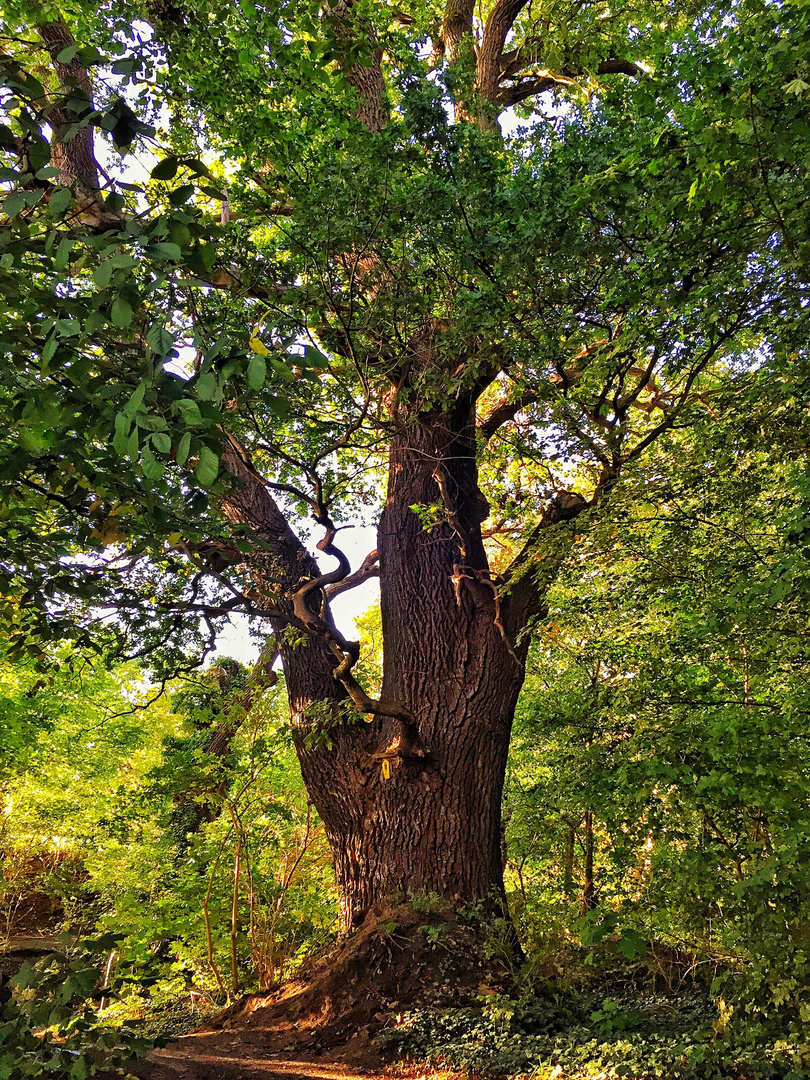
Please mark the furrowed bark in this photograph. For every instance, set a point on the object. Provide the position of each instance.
(365, 76)
(403, 817)
(74, 155)
(436, 825)
(457, 39)
(499, 23)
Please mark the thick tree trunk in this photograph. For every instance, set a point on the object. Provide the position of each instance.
(432, 824)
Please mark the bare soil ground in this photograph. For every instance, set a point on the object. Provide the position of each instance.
(233, 1063)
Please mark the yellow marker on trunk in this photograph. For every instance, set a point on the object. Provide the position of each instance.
(386, 770)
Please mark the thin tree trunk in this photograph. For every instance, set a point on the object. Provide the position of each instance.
(588, 889)
(237, 869)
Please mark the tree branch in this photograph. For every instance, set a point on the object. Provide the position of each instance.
(282, 553)
(529, 585)
(504, 412)
(543, 79)
(500, 22)
(369, 568)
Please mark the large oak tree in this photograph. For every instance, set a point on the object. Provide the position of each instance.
(386, 304)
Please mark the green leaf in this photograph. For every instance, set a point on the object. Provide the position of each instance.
(314, 358)
(207, 386)
(256, 372)
(207, 466)
(80, 1069)
(121, 312)
(152, 468)
(14, 204)
(282, 370)
(132, 445)
(183, 448)
(181, 194)
(189, 410)
(197, 168)
(208, 254)
(59, 201)
(67, 54)
(125, 66)
(165, 169)
(123, 260)
(166, 250)
(135, 402)
(159, 340)
(103, 274)
(161, 442)
(62, 257)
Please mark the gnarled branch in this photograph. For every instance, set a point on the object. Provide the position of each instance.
(369, 568)
(504, 412)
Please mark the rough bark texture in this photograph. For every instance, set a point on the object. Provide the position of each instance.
(435, 824)
(73, 154)
(497, 28)
(364, 76)
(75, 160)
(457, 31)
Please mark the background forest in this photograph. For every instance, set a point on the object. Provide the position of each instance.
(545, 267)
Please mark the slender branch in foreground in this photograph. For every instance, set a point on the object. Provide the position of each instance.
(347, 653)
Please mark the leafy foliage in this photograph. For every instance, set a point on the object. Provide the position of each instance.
(551, 1040)
(51, 1026)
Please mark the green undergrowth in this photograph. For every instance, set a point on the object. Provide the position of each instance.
(53, 1023)
(598, 1038)
(169, 1018)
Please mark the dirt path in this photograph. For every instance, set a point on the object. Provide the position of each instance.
(231, 1059)
(176, 1063)
(326, 1021)
(230, 1056)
